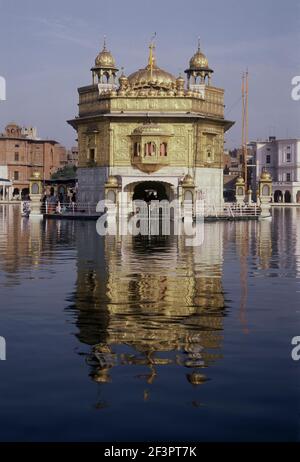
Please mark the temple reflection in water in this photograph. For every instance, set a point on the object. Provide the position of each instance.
(150, 302)
(161, 299)
(162, 339)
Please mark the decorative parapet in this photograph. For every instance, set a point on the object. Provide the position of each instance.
(91, 103)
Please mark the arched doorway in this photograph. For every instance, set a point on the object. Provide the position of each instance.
(278, 196)
(298, 197)
(150, 190)
(287, 197)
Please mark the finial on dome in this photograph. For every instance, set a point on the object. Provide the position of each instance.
(151, 60)
(199, 44)
(104, 43)
(180, 79)
(122, 79)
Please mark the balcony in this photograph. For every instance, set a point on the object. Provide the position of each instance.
(150, 163)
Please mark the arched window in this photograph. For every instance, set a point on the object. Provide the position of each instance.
(149, 149)
(163, 149)
(35, 188)
(111, 196)
(266, 190)
(92, 154)
(136, 149)
(188, 196)
(287, 197)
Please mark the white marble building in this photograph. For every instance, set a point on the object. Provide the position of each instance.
(281, 158)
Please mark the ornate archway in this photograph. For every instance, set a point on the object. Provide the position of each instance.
(150, 190)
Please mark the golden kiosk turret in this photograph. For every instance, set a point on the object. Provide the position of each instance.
(36, 193)
(265, 194)
(240, 190)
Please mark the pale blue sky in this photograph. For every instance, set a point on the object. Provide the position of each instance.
(48, 48)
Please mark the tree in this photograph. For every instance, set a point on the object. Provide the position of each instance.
(67, 172)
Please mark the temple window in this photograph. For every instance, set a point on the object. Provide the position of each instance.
(92, 154)
(149, 149)
(136, 149)
(163, 149)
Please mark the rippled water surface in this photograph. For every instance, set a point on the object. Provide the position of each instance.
(127, 339)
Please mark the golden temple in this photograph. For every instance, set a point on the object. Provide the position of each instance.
(150, 130)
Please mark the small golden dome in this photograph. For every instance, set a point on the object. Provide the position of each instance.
(265, 176)
(180, 80)
(112, 181)
(105, 59)
(123, 79)
(188, 180)
(36, 175)
(199, 61)
(240, 180)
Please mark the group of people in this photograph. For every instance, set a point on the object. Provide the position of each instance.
(58, 203)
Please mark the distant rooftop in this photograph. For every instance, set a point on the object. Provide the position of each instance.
(16, 132)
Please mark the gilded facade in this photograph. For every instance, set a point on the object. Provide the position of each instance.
(150, 128)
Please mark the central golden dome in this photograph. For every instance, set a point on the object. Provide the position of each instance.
(152, 76)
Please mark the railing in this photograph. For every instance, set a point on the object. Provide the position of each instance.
(70, 208)
(232, 210)
(227, 210)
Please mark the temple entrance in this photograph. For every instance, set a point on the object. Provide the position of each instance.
(150, 190)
